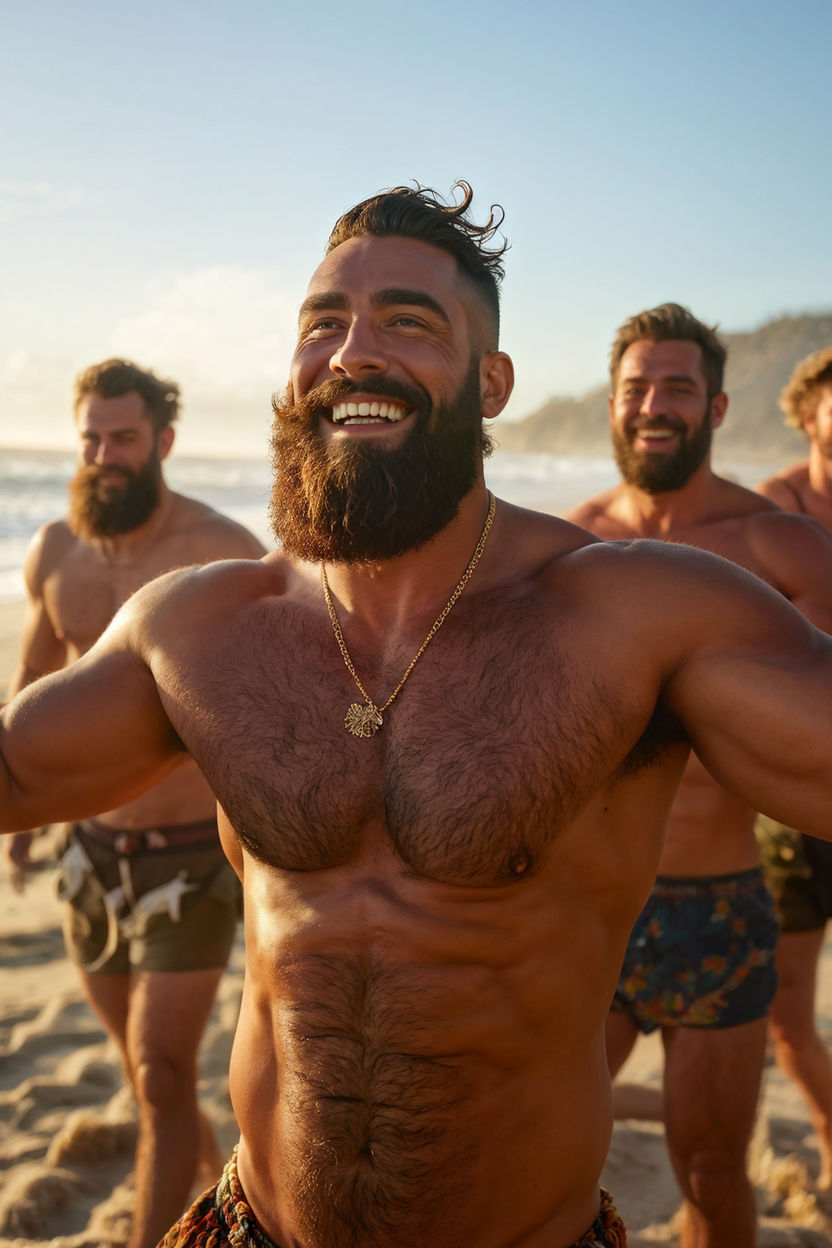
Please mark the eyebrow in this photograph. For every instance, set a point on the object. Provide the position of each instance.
(388, 297)
(668, 377)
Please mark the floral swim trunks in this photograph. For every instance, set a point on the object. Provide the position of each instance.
(221, 1218)
(701, 954)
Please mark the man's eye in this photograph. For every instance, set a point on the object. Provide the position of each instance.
(322, 326)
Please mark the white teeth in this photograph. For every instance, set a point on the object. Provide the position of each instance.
(364, 420)
(345, 413)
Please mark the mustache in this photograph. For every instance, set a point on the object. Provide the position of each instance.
(95, 472)
(339, 389)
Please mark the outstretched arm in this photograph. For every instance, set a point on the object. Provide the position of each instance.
(754, 690)
(87, 738)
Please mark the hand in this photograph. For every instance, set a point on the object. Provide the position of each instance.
(18, 861)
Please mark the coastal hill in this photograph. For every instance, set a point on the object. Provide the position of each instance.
(759, 365)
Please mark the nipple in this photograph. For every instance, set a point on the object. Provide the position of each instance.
(519, 864)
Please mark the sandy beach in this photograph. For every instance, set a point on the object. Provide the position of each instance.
(67, 1129)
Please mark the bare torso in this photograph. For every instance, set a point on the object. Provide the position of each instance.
(710, 831)
(78, 588)
(422, 925)
(435, 916)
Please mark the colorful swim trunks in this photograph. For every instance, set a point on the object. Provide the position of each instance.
(222, 1218)
(701, 954)
(798, 872)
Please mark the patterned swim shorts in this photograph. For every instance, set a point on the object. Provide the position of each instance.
(701, 954)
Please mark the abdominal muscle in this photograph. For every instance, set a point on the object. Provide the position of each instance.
(419, 1064)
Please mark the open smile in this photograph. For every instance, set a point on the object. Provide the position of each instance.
(381, 412)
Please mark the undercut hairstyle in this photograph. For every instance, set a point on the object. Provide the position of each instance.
(799, 398)
(670, 322)
(420, 213)
(114, 378)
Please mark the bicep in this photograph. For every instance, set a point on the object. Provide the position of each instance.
(84, 740)
(757, 705)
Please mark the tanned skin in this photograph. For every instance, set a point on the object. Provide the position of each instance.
(436, 916)
(800, 1049)
(74, 588)
(712, 1076)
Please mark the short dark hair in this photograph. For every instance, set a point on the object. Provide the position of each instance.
(418, 212)
(670, 322)
(115, 377)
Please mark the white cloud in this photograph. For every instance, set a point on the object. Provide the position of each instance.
(26, 199)
(225, 333)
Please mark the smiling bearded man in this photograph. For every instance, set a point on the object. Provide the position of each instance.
(355, 501)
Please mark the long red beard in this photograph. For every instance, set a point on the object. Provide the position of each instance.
(92, 515)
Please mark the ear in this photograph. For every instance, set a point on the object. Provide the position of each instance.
(611, 406)
(719, 406)
(807, 420)
(496, 383)
(164, 441)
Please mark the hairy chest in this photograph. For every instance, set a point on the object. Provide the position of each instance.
(492, 746)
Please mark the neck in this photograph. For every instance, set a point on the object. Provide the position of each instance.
(820, 472)
(392, 595)
(657, 515)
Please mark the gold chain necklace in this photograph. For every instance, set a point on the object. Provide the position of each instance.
(365, 721)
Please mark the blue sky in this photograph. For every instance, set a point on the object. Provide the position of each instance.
(171, 170)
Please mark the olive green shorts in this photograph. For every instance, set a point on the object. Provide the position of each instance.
(798, 873)
(170, 909)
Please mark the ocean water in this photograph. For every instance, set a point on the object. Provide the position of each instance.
(33, 491)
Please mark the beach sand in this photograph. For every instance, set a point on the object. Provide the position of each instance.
(67, 1129)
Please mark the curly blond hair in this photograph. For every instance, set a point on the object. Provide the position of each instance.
(799, 397)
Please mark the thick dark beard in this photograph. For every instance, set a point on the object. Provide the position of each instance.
(121, 511)
(352, 502)
(659, 474)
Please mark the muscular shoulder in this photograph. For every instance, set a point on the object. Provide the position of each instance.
(205, 534)
(786, 488)
(669, 594)
(197, 605)
(599, 515)
(46, 552)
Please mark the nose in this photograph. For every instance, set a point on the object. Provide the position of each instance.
(105, 453)
(651, 403)
(359, 352)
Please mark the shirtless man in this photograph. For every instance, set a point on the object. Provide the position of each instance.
(150, 971)
(799, 868)
(700, 962)
(445, 791)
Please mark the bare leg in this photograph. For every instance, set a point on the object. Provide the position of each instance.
(168, 1013)
(800, 1051)
(157, 1021)
(109, 996)
(712, 1083)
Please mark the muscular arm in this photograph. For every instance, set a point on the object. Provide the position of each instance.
(41, 649)
(87, 738)
(753, 686)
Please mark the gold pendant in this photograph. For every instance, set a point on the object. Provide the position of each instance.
(363, 721)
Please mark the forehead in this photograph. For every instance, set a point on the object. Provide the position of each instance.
(646, 358)
(121, 412)
(363, 267)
